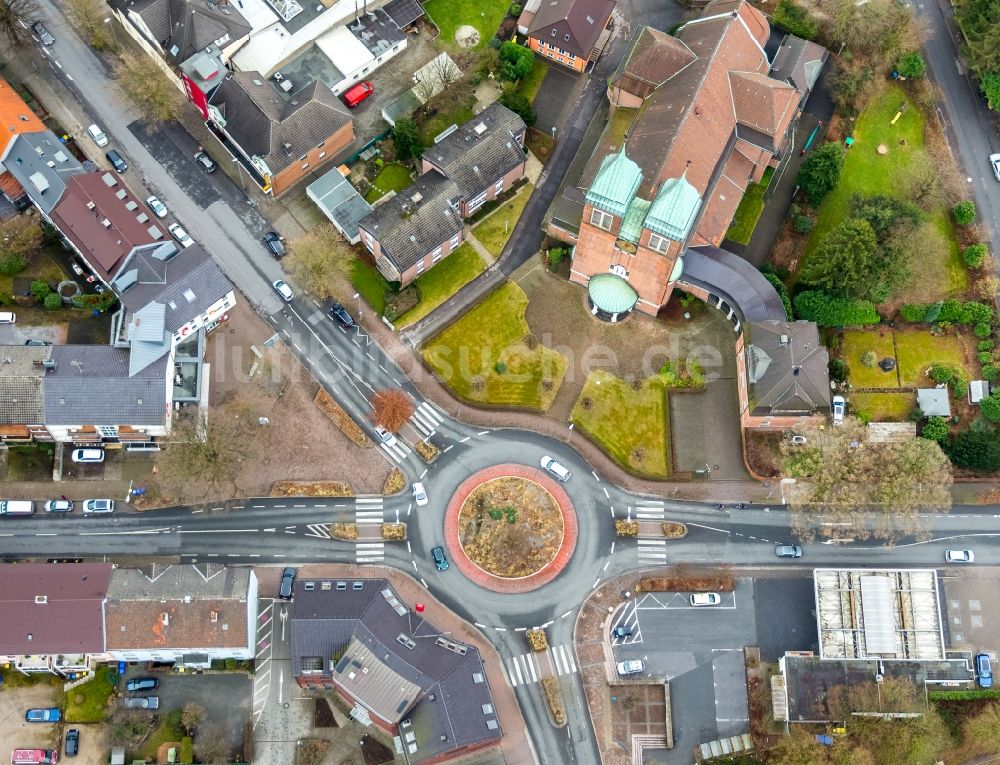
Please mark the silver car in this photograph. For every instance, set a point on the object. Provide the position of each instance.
(98, 506)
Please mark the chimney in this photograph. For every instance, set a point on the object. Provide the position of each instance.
(164, 618)
(213, 616)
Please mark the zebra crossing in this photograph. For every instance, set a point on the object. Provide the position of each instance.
(652, 551)
(649, 510)
(369, 552)
(369, 509)
(426, 419)
(396, 449)
(523, 669)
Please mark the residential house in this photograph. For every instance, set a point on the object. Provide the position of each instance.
(282, 138)
(568, 32)
(392, 667)
(16, 118)
(52, 616)
(341, 203)
(41, 166)
(189, 615)
(464, 169)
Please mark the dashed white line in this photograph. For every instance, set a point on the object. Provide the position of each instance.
(596, 477)
(462, 441)
(423, 474)
(596, 582)
(448, 448)
(298, 348)
(606, 564)
(500, 629)
(46, 534)
(482, 626)
(520, 629)
(414, 564)
(483, 432)
(424, 583)
(566, 614)
(608, 496)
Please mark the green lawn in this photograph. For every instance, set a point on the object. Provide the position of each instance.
(630, 425)
(169, 729)
(918, 349)
(528, 87)
(367, 280)
(485, 356)
(88, 703)
(857, 342)
(449, 15)
(749, 210)
(457, 113)
(884, 407)
(938, 275)
(494, 232)
(392, 177)
(443, 281)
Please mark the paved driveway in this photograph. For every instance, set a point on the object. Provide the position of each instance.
(14, 731)
(556, 96)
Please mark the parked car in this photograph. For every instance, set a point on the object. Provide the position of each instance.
(44, 35)
(385, 436)
(705, 599)
(357, 93)
(117, 161)
(419, 494)
(273, 242)
(17, 507)
(87, 455)
(621, 631)
(557, 470)
(205, 162)
(180, 235)
(799, 440)
(59, 506)
(76, 268)
(98, 506)
(287, 584)
(995, 163)
(788, 551)
(37, 343)
(97, 135)
(138, 684)
(142, 702)
(629, 667)
(959, 556)
(839, 409)
(7, 317)
(34, 756)
(72, 742)
(984, 672)
(43, 715)
(157, 207)
(440, 560)
(283, 289)
(341, 316)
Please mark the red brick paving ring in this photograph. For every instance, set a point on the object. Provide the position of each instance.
(514, 584)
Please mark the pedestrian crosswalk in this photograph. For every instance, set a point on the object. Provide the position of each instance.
(524, 669)
(397, 450)
(426, 419)
(649, 510)
(369, 510)
(370, 552)
(652, 551)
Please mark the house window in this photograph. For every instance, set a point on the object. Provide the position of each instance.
(436, 256)
(566, 38)
(619, 270)
(550, 54)
(572, 56)
(420, 267)
(365, 70)
(658, 243)
(322, 154)
(305, 166)
(454, 241)
(553, 33)
(499, 186)
(601, 219)
(303, 158)
(476, 202)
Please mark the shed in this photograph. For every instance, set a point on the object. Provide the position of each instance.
(933, 402)
(118, 756)
(978, 390)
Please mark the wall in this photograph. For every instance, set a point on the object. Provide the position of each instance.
(132, 23)
(623, 98)
(428, 260)
(491, 191)
(551, 52)
(318, 156)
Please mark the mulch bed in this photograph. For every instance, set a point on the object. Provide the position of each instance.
(323, 715)
(375, 752)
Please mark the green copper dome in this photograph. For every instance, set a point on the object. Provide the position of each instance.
(612, 294)
(615, 184)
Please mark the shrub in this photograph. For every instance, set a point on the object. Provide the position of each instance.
(964, 212)
(516, 61)
(975, 254)
(951, 310)
(794, 20)
(976, 449)
(933, 312)
(515, 10)
(495, 43)
(985, 345)
(829, 311)
(869, 359)
(990, 372)
(913, 312)
(555, 257)
(40, 289)
(959, 385)
(912, 65)
(985, 357)
(838, 370)
(935, 429)
(802, 224)
(537, 640)
(520, 105)
(941, 373)
(52, 302)
(625, 528)
(975, 313)
(782, 291)
(982, 329)
(500, 367)
(406, 137)
(398, 303)
(990, 406)
(187, 750)
(820, 173)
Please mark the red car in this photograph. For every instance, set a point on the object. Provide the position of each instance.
(355, 94)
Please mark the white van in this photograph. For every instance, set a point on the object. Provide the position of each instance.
(16, 507)
(7, 317)
(98, 135)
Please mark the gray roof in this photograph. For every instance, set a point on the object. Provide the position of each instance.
(798, 62)
(481, 151)
(157, 582)
(404, 12)
(404, 669)
(91, 386)
(28, 157)
(340, 202)
(185, 27)
(377, 32)
(735, 280)
(933, 402)
(279, 131)
(566, 211)
(416, 220)
(787, 368)
(21, 380)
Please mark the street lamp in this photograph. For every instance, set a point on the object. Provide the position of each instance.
(114, 34)
(357, 296)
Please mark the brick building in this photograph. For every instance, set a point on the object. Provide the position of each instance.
(568, 32)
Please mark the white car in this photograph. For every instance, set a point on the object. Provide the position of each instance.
(959, 556)
(59, 506)
(97, 135)
(419, 494)
(839, 409)
(88, 455)
(705, 599)
(180, 235)
(7, 317)
(385, 436)
(98, 506)
(557, 470)
(630, 667)
(995, 162)
(157, 207)
(284, 290)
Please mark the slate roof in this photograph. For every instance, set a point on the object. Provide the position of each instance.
(798, 62)
(71, 620)
(399, 662)
(27, 159)
(205, 606)
(91, 386)
(263, 123)
(734, 279)
(104, 219)
(653, 57)
(482, 150)
(763, 103)
(581, 20)
(408, 230)
(404, 12)
(787, 368)
(189, 26)
(21, 382)
(340, 202)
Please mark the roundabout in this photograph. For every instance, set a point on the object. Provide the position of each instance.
(510, 528)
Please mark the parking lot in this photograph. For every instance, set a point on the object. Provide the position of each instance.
(14, 701)
(970, 624)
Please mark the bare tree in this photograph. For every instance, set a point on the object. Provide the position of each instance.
(316, 259)
(89, 16)
(148, 89)
(20, 238)
(210, 744)
(392, 408)
(16, 18)
(191, 715)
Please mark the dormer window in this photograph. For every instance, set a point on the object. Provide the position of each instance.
(566, 38)
(553, 32)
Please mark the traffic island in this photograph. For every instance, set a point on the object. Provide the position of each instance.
(510, 528)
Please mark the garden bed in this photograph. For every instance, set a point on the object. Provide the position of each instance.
(685, 578)
(345, 531)
(341, 419)
(311, 489)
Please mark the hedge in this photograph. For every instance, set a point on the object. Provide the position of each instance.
(829, 311)
(950, 311)
(975, 695)
(782, 291)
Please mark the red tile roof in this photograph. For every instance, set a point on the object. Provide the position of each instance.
(763, 103)
(52, 607)
(134, 624)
